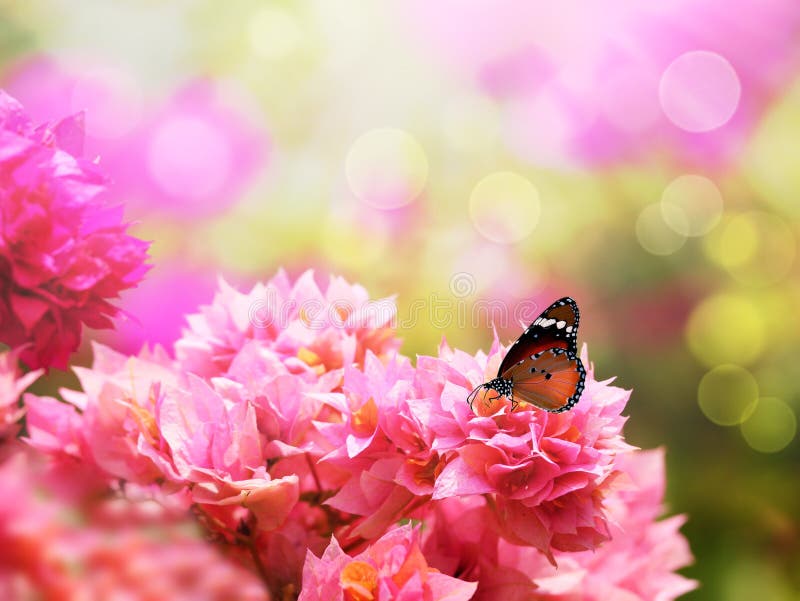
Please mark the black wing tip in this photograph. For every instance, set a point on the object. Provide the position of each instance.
(566, 300)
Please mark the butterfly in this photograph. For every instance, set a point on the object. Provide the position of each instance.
(542, 366)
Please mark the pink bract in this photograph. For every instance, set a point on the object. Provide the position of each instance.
(392, 568)
(12, 385)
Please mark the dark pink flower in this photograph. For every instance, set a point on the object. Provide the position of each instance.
(64, 253)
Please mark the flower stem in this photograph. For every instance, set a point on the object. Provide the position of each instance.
(262, 570)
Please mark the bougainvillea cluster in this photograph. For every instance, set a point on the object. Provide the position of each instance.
(64, 250)
(317, 461)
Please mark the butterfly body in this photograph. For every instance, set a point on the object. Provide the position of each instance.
(542, 367)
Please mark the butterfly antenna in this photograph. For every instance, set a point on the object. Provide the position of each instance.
(472, 395)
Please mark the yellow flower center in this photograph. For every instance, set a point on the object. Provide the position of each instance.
(359, 581)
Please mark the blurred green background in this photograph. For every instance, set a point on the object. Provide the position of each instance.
(479, 160)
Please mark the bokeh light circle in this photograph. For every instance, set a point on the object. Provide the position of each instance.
(727, 394)
(654, 233)
(757, 248)
(726, 328)
(733, 243)
(188, 158)
(386, 168)
(504, 207)
(691, 205)
(770, 162)
(771, 427)
(699, 91)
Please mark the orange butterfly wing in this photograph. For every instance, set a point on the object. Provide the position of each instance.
(552, 380)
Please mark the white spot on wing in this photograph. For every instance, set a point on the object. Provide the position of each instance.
(560, 324)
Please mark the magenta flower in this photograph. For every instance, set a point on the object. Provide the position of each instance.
(392, 568)
(12, 385)
(64, 253)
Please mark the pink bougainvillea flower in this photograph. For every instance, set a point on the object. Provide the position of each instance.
(110, 424)
(392, 568)
(637, 563)
(215, 444)
(407, 437)
(309, 327)
(547, 474)
(93, 547)
(64, 251)
(380, 442)
(141, 421)
(12, 385)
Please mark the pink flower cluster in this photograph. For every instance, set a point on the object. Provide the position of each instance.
(637, 564)
(287, 417)
(64, 251)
